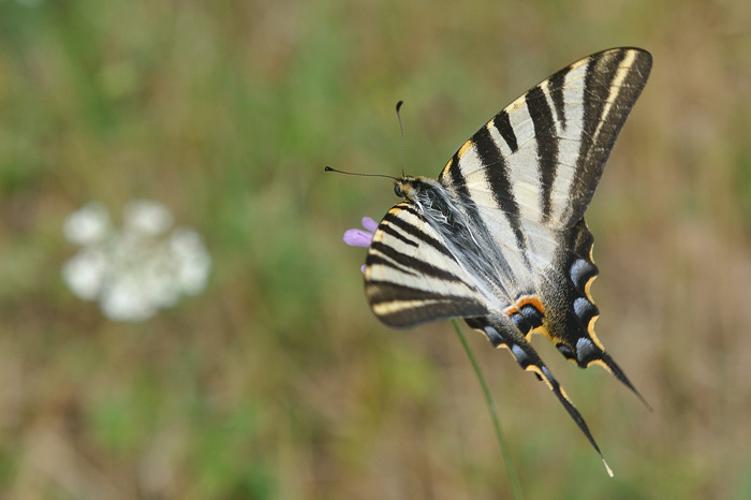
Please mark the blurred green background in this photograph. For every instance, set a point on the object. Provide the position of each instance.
(277, 381)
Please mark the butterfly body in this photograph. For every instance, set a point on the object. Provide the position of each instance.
(499, 238)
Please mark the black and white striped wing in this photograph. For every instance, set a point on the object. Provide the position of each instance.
(530, 173)
(411, 277)
(540, 159)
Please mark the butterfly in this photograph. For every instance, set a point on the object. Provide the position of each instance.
(499, 238)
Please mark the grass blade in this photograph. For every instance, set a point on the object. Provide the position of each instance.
(511, 475)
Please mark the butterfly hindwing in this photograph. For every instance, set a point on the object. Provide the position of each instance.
(571, 313)
(410, 275)
(503, 333)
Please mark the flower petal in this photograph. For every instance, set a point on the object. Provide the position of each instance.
(147, 217)
(87, 225)
(124, 300)
(85, 273)
(357, 238)
(369, 224)
(192, 259)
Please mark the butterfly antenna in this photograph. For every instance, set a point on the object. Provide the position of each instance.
(399, 105)
(331, 169)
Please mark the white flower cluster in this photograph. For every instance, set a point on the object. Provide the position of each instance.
(137, 270)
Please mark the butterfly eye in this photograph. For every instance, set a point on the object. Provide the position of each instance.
(398, 190)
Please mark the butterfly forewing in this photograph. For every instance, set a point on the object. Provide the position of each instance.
(543, 155)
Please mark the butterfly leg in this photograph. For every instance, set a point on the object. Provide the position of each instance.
(504, 334)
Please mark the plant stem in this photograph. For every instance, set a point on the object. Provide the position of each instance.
(512, 476)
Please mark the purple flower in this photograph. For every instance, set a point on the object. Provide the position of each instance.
(359, 238)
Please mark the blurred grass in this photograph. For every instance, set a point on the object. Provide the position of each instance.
(277, 382)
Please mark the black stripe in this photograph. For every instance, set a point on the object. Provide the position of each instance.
(503, 124)
(555, 88)
(580, 240)
(597, 83)
(393, 232)
(497, 177)
(396, 291)
(445, 306)
(431, 312)
(457, 178)
(487, 150)
(593, 151)
(547, 145)
(377, 259)
(470, 209)
(411, 209)
(417, 265)
(416, 232)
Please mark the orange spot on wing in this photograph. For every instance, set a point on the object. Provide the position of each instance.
(534, 301)
(525, 300)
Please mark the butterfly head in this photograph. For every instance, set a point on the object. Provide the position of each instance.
(406, 186)
(409, 187)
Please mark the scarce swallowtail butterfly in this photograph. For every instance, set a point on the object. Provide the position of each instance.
(499, 239)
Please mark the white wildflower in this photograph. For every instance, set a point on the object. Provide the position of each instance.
(84, 273)
(194, 261)
(87, 225)
(135, 271)
(147, 216)
(123, 300)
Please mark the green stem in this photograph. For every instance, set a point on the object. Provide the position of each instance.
(513, 477)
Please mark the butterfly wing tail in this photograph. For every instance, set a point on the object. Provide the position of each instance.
(502, 334)
(611, 366)
(571, 313)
